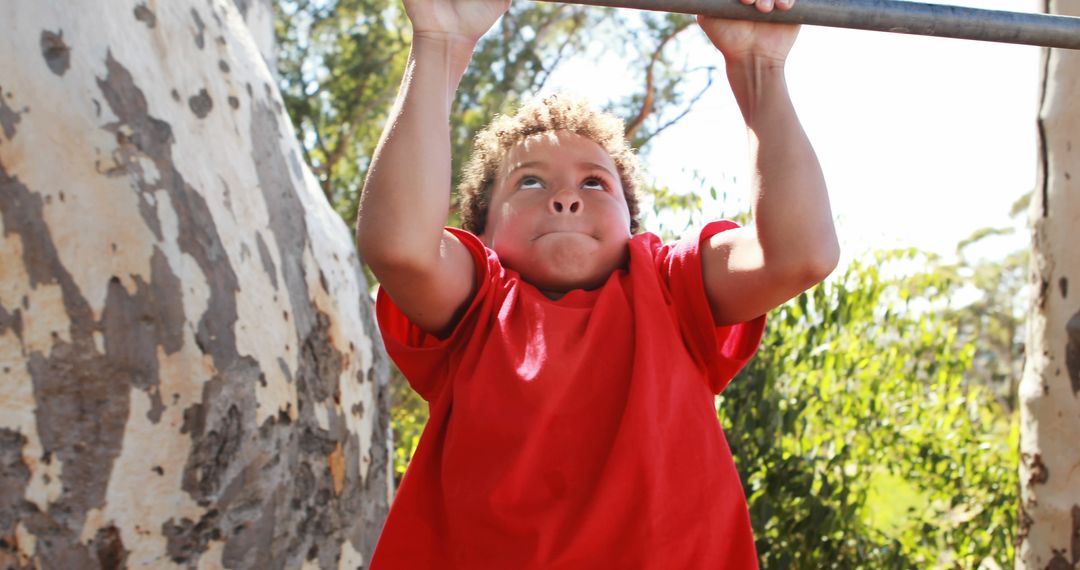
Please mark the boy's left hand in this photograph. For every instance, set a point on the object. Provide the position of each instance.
(739, 39)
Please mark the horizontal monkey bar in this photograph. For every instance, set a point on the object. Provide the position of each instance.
(898, 16)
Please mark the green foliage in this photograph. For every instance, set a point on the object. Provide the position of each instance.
(859, 441)
(996, 293)
(408, 414)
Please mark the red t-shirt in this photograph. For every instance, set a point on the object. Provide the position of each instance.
(579, 433)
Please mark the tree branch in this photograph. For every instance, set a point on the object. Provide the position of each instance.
(649, 101)
(686, 111)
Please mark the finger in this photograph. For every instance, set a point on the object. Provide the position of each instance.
(748, 2)
(764, 6)
(784, 5)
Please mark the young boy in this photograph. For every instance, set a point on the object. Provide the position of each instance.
(570, 365)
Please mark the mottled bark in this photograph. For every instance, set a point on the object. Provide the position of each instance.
(189, 370)
(1049, 534)
(259, 17)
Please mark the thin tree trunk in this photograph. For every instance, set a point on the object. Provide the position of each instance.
(1049, 534)
(189, 370)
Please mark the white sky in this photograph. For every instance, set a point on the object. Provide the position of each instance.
(922, 140)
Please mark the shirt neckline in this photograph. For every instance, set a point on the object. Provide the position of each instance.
(576, 298)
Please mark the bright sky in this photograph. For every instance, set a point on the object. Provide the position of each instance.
(922, 140)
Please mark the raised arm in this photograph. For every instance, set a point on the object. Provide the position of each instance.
(406, 198)
(791, 244)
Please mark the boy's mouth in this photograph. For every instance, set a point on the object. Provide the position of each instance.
(557, 232)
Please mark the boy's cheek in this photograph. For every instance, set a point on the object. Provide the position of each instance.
(509, 221)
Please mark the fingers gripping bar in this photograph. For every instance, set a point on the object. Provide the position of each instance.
(887, 16)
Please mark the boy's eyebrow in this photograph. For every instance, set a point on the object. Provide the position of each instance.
(535, 163)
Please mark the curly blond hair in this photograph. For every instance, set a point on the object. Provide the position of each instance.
(553, 113)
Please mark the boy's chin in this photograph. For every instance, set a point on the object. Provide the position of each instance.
(564, 275)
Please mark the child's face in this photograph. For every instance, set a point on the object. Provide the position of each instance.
(558, 215)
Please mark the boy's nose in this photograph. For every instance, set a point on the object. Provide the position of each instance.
(566, 203)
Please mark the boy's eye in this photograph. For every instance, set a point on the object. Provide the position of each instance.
(530, 182)
(593, 184)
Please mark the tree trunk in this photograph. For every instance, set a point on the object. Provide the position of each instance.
(1049, 534)
(189, 371)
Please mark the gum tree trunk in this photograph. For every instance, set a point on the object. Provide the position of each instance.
(1049, 534)
(189, 372)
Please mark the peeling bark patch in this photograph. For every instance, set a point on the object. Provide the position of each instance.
(135, 325)
(57, 53)
(145, 15)
(1072, 351)
(1059, 562)
(337, 469)
(200, 29)
(285, 370)
(148, 137)
(14, 476)
(1024, 526)
(8, 118)
(186, 539)
(1039, 473)
(201, 104)
(243, 6)
(109, 547)
(321, 362)
(267, 261)
(166, 293)
(1076, 534)
(285, 209)
(227, 196)
(213, 452)
(11, 321)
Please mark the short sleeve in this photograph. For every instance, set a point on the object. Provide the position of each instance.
(723, 350)
(424, 358)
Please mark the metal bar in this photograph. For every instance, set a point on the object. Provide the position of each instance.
(898, 16)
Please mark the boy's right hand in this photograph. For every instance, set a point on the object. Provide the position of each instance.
(454, 19)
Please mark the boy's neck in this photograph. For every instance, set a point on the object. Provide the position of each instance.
(553, 295)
